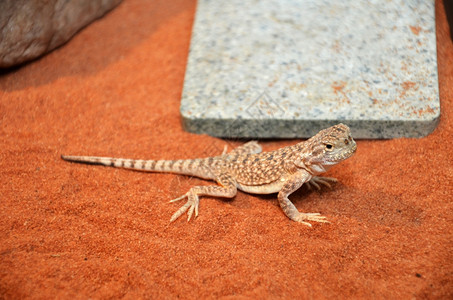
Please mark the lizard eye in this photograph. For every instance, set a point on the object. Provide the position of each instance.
(346, 142)
(329, 146)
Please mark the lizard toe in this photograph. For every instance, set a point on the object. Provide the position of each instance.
(179, 198)
(180, 211)
(317, 180)
(312, 183)
(193, 200)
(315, 217)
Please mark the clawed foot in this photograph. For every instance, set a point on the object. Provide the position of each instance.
(315, 217)
(191, 205)
(317, 180)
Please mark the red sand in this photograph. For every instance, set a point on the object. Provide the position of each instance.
(71, 230)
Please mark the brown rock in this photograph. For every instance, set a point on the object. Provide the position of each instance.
(29, 29)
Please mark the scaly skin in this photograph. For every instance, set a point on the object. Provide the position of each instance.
(246, 168)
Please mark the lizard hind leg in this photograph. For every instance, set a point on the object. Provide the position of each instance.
(227, 189)
(251, 147)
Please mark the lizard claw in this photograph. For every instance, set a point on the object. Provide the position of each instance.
(315, 217)
(191, 205)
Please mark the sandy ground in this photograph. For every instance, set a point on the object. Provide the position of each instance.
(78, 231)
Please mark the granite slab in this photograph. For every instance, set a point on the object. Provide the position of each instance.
(288, 68)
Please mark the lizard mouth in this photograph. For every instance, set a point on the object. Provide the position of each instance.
(350, 152)
(354, 148)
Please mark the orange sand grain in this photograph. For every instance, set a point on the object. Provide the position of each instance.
(80, 231)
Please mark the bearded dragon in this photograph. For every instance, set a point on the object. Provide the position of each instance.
(246, 168)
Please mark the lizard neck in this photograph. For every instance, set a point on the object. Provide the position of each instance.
(313, 169)
(319, 168)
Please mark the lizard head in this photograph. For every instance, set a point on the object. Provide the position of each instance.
(329, 147)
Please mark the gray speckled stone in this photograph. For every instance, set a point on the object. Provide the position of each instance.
(289, 68)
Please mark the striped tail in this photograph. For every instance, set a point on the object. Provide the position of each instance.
(194, 167)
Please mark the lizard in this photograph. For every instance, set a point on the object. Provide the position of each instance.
(248, 169)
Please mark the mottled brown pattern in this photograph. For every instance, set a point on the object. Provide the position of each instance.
(246, 168)
(71, 231)
(262, 168)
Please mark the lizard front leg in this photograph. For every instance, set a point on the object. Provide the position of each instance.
(227, 189)
(292, 184)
